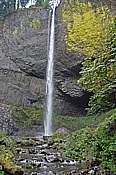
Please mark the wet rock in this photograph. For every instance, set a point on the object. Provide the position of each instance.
(14, 171)
(24, 151)
(73, 172)
(95, 162)
(71, 87)
(53, 159)
(69, 162)
(50, 173)
(23, 161)
(83, 173)
(19, 172)
(36, 163)
(44, 152)
(45, 146)
(91, 172)
(34, 173)
(32, 151)
(18, 150)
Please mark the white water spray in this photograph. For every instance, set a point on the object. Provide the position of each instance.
(29, 4)
(49, 76)
(16, 4)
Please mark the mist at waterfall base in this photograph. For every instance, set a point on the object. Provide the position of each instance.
(49, 74)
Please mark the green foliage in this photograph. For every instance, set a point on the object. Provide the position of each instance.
(86, 29)
(27, 116)
(93, 33)
(99, 74)
(106, 143)
(43, 3)
(99, 143)
(7, 141)
(26, 142)
(7, 147)
(59, 139)
(79, 122)
(79, 145)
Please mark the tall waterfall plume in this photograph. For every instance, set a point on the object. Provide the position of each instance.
(50, 68)
(29, 3)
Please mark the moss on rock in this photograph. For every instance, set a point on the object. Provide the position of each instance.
(27, 116)
(36, 24)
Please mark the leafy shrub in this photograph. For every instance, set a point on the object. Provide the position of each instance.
(93, 33)
(99, 74)
(100, 143)
(59, 139)
(7, 147)
(86, 29)
(105, 149)
(79, 145)
(6, 141)
(26, 142)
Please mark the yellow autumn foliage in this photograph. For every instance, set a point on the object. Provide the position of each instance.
(86, 28)
(36, 24)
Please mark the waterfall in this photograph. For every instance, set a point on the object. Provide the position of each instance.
(16, 4)
(30, 3)
(50, 68)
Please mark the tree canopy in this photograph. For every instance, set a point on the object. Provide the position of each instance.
(93, 33)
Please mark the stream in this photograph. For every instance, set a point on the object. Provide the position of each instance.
(44, 159)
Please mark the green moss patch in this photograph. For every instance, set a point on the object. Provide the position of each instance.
(36, 24)
(27, 116)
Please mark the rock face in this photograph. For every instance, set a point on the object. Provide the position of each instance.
(7, 125)
(17, 87)
(23, 61)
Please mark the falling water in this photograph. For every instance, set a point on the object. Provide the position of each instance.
(16, 4)
(29, 3)
(49, 77)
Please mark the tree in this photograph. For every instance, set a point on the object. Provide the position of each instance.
(99, 74)
(93, 33)
(86, 28)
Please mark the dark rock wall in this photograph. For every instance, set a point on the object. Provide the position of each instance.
(16, 87)
(23, 61)
(25, 35)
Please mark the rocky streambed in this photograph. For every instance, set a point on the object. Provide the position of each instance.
(41, 157)
(44, 159)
